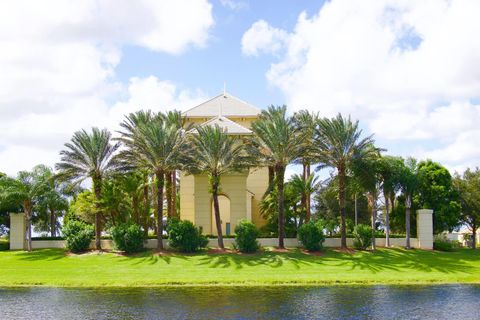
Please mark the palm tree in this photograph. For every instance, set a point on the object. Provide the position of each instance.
(277, 143)
(409, 182)
(390, 170)
(52, 203)
(305, 187)
(367, 175)
(306, 123)
(153, 144)
(89, 156)
(339, 143)
(24, 191)
(215, 153)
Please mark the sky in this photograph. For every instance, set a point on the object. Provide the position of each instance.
(409, 71)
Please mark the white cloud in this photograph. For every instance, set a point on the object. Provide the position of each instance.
(58, 61)
(262, 38)
(409, 70)
(234, 5)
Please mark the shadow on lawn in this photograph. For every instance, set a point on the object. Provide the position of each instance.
(416, 260)
(42, 254)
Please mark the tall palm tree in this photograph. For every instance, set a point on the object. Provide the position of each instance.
(306, 122)
(367, 175)
(215, 153)
(153, 145)
(24, 191)
(277, 143)
(89, 156)
(174, 118)
(409, 182)
(339, 142)
(390, 171)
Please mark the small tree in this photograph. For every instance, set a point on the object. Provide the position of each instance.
(362, 236)
(468, 186)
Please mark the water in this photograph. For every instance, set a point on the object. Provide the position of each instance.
(373, 302)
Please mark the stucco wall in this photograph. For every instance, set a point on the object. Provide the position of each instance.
(17, 231)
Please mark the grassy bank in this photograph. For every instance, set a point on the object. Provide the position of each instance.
(54, 267)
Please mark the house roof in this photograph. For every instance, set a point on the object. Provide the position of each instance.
(230, 127)
(225, 105)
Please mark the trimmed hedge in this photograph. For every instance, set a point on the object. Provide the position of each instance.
(311, 236)
(128, 237)
(78, 235)
(246, 237)
(185, 237)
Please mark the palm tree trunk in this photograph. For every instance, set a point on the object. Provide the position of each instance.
(53, 223)
(308, 211)
(28, 223)
(216, 210)
(135, 205)
(387, 220)
(160, 184)
(474, 237)
(356, 209)
(168, 189)
(174, 194)
(146, 204)
(97, 187)
(371, 204)
(280, 175)
(341, 202)
(408, 205)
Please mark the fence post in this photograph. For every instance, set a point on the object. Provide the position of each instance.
(425, 228)
(17, 231)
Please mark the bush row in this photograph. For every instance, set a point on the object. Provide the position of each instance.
(184, 236)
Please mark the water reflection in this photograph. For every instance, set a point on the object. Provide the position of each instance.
(375, 302)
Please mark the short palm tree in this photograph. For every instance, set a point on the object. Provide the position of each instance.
(305, 187)
(89, 156)
(213, 152)
(338, 143)
(277, 143)
(24, 191)
(154, 145)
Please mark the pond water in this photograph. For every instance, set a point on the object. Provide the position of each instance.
(372, 302)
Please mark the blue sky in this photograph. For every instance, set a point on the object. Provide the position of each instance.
(408, 70)
(222, 59)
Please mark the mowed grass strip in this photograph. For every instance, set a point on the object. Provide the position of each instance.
(55, 267)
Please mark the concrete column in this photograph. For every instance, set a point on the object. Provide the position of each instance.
(17, 231)
(425, 228)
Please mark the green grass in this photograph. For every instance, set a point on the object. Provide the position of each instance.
(54, 267)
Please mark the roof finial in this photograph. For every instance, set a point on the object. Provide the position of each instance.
(224, 88)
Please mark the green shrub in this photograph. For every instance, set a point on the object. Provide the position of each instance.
(185, 237)
(128, 237)
(311, 236)
(4, 245)
(246, 237)
(441, 243)
(362, 236)
(78, 235)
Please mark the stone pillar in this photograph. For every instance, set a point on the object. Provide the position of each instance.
(17, 231)
(425, 228)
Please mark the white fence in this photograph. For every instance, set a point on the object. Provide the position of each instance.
(228, 242)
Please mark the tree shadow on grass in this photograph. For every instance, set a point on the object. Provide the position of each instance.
(266, 258)
(411, 260)
(42, 254)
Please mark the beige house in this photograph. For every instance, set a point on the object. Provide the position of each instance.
(241, 193)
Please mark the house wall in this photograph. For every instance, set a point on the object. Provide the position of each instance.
(257, 183)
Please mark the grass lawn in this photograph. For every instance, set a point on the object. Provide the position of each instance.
(54, 267)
